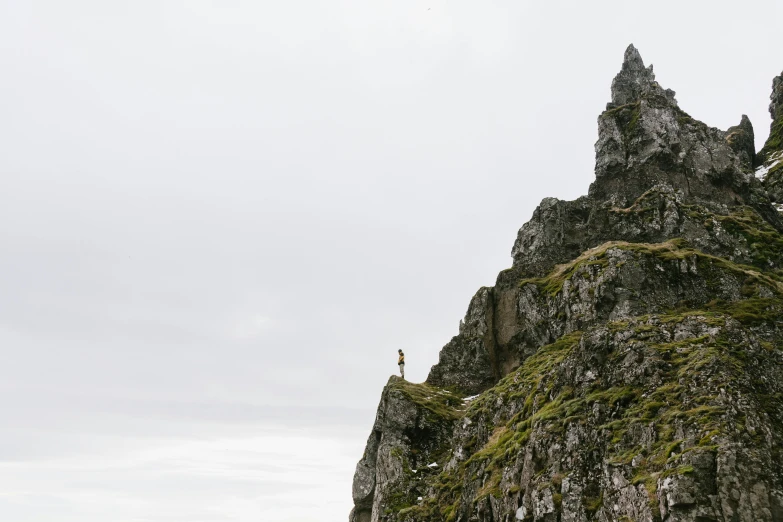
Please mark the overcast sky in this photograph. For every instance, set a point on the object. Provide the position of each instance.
(219, 221)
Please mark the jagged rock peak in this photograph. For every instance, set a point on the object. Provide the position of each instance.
(634, 80)
(632, 60)
(645, 139)
(742, 141)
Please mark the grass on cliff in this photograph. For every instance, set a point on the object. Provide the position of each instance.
(692, 372)
(675, 249)
(647, 202)
(774, 142)
(627, 117)
(763, 240)
(442, 402)
(504, 442)
(547, 404)
(743, 222)
(683, 118)
(440, 407)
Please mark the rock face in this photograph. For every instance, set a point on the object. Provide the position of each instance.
(412, 429)
(629, 365)
(644, 139)
(770, 158)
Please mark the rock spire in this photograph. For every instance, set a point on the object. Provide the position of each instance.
(634, 80)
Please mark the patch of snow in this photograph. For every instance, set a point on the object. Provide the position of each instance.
(763, 170)
(419, 499)
(468, 399)
(414, 470)
(433, 465)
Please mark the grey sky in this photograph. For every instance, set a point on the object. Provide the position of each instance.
(219, 221)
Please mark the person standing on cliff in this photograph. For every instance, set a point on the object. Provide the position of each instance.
(401, 363)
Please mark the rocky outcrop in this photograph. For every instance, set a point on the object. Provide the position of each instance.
(660, 175)
(652, 161)
(743, 142)
(469, 362)
(645, 139)
(770, 158)
(412, 430)
(615, 280)
(774, 143)
(628, 366)
(561, 230)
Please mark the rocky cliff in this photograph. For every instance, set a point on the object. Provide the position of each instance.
(629, 365)
(770, 158)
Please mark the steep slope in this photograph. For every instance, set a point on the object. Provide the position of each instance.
(628, 366)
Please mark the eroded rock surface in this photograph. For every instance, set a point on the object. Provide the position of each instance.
(413, 428)
(629, 365)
